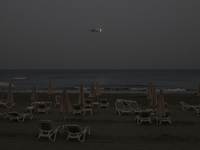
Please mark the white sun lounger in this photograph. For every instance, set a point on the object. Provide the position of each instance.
(77, 109)
(120, 108)
(167, 118)
(43, 108)
(47, 130)
(144, 116)
(134, 107)
(186, 106)
(7, 105)
(104, 103)
(19, 116)
(74, 131)
(88, 103)
(58, 100)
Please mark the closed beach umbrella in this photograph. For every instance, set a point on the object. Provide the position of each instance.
(98, 90)
(149, 91)
(34, 95)
(154, 101)
(5, 85)
(10, 99)
(81, 99)
(161, 106)
(65, 106)
(92, 91)
(198, 94)
(50, 89)
(160, 113)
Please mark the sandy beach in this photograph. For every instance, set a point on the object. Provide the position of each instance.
(108, 130)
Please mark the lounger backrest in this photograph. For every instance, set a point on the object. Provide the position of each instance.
(144, 114)
(42, 106)
(119, 105)
(133, 105)
(74, 129)
(103, 101)
(88, 101)
(58, 98)
(167, 114)
(45, 125)
(77, 107)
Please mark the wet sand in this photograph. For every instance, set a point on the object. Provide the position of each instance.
(108, 130)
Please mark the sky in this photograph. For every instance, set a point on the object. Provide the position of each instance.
(136, 34)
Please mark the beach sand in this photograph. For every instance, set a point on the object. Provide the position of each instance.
(108, 130)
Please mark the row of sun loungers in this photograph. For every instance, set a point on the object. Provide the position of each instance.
(141, 115)
(72, 131)
(88, 102)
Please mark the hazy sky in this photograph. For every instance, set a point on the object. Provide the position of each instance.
(137, 34)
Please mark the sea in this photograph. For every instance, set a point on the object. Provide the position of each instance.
(110, 81)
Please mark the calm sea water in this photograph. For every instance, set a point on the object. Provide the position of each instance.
(110, 81)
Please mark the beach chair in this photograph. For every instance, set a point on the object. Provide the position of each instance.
(143, 116)
(43, 108)
(104, 103)
(88, 103)
(186, 106)
(120, 108)
(4, 115)
(167, 118)
(124, 101)
(77, 109)
(46, 129)
(58, 100)
(75, 132)
(8, 105)
(19, 116)
(134, 107)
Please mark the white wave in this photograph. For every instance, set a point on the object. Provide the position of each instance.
(20, 78)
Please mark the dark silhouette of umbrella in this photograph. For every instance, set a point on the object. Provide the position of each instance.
(81, 99)
(92, 91)
(65, 106)
(34, 95)
(5, 85)
(98, 90)
(10, 99)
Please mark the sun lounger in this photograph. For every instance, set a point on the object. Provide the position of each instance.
(74, 131)
(126, 102)
(19, 116)
(77, 109)
(58, 100)
(143, 116)
(104, 103)
(7, 104)
(4, 115)
(167, 118)
(88, 103)
(134, 107)
(186, 106)
(47, 130)
(43, 108)
(36, 103)
(120, 108)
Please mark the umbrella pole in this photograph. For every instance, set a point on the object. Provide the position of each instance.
(2, 91)
(161, 128)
